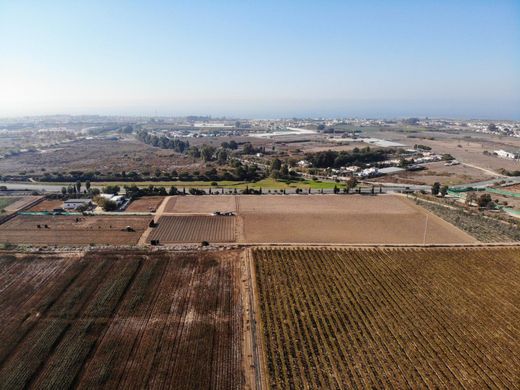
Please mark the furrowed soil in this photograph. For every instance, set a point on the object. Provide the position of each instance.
(145, 204)
(125, 319)
(390, 318)
(72, 230)
(194, 228)
(47, 205)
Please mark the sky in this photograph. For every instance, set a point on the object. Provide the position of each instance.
(261, 59)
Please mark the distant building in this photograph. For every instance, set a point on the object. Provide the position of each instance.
(505, 154)
(119, 200)
(369, 172)
(73, 204)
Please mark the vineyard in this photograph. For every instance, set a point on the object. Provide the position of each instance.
(120, 319)
(194, 228)
(390, 318)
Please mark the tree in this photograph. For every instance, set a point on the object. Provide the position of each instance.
(87, 185)
(222, 156)
(111, 189)
(207, 152)
(63, 190)
(285, 171)
(351, 183)
(194, 152)
(436, 187)
(485, 201)
(77, 187)
(248, 149)
(109, 205)
(276, 164)
(444, 191)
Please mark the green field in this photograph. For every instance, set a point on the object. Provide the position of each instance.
(268, 183)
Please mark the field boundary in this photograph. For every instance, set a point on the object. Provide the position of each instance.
(255, 321)
(441, 221)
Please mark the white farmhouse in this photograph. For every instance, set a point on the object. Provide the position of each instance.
(505, 154)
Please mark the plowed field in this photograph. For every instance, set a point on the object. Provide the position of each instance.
(120, 320)
(72, 230)
(145, 204)
(194, 228)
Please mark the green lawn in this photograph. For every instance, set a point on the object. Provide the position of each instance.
(268, 183)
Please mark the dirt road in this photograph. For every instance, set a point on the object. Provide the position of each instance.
(157, 215)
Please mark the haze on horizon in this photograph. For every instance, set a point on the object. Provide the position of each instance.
(261, 59)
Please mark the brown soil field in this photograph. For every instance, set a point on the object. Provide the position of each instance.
(351, 219)
(47, 205)
(21, 204)
(203, 204)
(194, 228)
(114, 319)
(511, 188)
(65, 230)
(437, 172)
(145, 204)
(390, 318)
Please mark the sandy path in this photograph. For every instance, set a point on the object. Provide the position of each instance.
(158, 213)
(487, 171)
(253, 355)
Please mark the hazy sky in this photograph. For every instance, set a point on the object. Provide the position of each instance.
(261, 58)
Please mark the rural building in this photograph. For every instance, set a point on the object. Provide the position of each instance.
(73, 204)
(119, 200)
(505, 154)
(369, 172)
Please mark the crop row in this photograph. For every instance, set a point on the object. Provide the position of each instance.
(194, 229)
(390, 318)
(123, 319)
